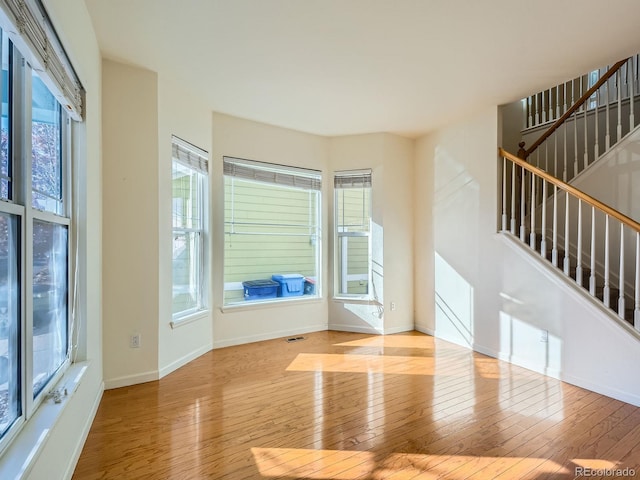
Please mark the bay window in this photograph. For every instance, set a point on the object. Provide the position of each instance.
(352, 208)
(272, 232)
(189, 207)
(39, 96)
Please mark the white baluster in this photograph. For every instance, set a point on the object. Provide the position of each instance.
(630, 71)
(523, 194)
(567, 261)
(555, 153)
(619, 93)
(530, 118)
(586, 143)
(564, 173)
(564, 99)
(549, 97)
(532, 234)
(636, 311)
(543, 105)
(607, 136)
(592, 263)
(596, 152)
(546, 155)
(575, 145)
(543, 241)
(621, 278)
(606, 291)
(504, 193)
(557, 101)
(579, 246)
(537, 115)
(554, 245)
(513, 198)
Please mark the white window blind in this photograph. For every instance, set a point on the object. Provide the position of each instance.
(30, 28)
(273, 174)
(352, 179)
(190, 155)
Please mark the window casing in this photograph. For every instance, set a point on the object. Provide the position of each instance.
(352, 247)
(189, 207)
(35, 233)
(272, 227)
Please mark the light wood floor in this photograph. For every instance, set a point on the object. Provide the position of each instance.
(352, 406)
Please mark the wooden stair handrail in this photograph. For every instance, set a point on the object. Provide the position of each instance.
(608, 74)
(572, 190)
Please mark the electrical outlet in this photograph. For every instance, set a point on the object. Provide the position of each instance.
(393, 306)
(544, 336)
(134, 341)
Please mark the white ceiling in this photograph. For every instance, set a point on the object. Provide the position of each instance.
(338, 67)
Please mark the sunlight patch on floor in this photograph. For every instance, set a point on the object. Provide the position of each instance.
(348, 465)
(325, 362)
(392, 341)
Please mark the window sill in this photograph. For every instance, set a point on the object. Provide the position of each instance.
(358, 300)
(193, 317)
(276, 302)
(19, 458)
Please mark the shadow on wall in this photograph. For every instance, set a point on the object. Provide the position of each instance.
(454, 304)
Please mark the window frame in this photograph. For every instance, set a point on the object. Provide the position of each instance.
(360, 179)
(193, 158)
(276, 176)
(21, 206)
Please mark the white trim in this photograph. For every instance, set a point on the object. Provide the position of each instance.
(19, 459)
(128, 380)
(269, 336)
(399, 329)
(193, 317)
(355, 329)
(182, 361)
(425, 330)
(273, 302)
(77, 451)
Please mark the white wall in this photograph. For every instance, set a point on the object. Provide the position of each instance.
(180, 114)
(391, 159)
(130, 228)
(489, 293)
(257, 141)
(65, 439)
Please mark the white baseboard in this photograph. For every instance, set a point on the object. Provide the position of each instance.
(423, 329)
(129, 380)
(354, 329)
(230, 342)
(75, 455)
(181, 362)
(402, 329)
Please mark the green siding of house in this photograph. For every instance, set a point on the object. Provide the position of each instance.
(268, 230)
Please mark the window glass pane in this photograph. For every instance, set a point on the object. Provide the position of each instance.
(5, 161)
(269, 230)
(10, 404)
(353, 269)
(186, 271)
(186, 203)
(353, 224)
(50, 290)
(46, 149)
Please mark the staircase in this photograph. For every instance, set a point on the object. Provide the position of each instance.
(589, 242)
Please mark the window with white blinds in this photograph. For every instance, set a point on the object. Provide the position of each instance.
(272, 227)
(190, 225)
(352, 210)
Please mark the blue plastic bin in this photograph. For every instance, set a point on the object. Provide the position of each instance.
(290, 285)
(260, 289)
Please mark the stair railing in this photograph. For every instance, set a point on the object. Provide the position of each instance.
(585, 235)
(581, 134)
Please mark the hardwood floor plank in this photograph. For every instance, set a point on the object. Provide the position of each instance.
(349, 406)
